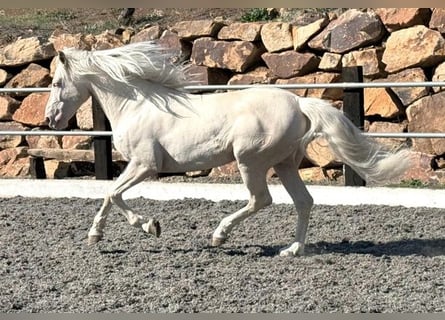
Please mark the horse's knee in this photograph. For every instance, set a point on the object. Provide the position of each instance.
(258, 202)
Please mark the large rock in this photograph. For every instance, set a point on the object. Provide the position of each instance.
(56, 169)
(190, 30)
(330, 62)
(290, 64)
(302, 92)
(421, 168)
(31, 77)
(388, 127)
(241, 31)
(14, 163)
(107, 40)
(417, 46)
(24, 51)
(301, 34)
(408, 95)
(319, 153)
(234, 55)
(206, 76)
(277, 36)
(8, 106)
(41, 142)
(11, 141)
(320, 175)
(62, 40)
(313, 78)
(439, 75)
(11, 153)
(126, 34)
(179, 49)
(437, 21)
(399, 18)
(368, 59)
(426, 115)
(260, 75)
(338, 38)
(84, 116)
(77, 142)
(4, 76)
(147, 34)
(53, 66)
(380, 102)
(32, 110)
(227, 170)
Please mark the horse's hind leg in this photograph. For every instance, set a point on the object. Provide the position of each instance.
(132, 175)
(255, 181)
(287, 172)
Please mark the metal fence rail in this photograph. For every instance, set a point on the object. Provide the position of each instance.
(395, 135)
(57, 133)
(353, 105)
(339, 85)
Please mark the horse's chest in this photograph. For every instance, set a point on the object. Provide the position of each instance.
(121, 144)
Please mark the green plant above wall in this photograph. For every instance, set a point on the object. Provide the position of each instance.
(257, 14)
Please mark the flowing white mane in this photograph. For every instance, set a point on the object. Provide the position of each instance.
(145, 60)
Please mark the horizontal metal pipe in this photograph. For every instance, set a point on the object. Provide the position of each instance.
(239, 87)
(430, 135)
(56, 133)
(341, 85)
(24, 90)
(344, 85)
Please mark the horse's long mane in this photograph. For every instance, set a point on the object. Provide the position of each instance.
(145, 60)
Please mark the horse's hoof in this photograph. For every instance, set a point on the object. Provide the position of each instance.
(152, 227)
(92, 240)
(216, 242)
(295, 249)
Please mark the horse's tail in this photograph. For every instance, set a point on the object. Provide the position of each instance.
(366, 157)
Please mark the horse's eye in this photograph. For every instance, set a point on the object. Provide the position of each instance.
(56, 85)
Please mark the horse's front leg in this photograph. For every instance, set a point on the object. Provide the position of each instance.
(134, 173)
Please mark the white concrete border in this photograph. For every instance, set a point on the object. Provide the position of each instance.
(328, 195)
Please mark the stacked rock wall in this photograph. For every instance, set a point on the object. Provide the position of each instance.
(392, 45)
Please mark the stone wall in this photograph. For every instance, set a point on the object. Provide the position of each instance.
(403, 44)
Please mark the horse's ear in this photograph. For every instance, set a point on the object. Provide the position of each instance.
(62, 57)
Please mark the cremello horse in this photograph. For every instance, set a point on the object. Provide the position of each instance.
(160, 128)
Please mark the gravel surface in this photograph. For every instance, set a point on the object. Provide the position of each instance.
(359, 259)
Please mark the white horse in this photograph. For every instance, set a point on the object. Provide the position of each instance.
(160, 128)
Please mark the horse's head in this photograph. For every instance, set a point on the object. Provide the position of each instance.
(66, 96)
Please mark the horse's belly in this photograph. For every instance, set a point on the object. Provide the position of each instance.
(181, 164)
(193, 158)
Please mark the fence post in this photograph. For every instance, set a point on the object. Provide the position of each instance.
(103, 161)
(353, 108)
(37, 168)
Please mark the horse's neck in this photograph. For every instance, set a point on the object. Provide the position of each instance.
(109, 103)
(116, 99)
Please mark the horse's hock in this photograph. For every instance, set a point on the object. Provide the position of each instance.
(397, 45)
